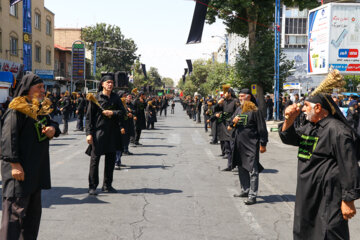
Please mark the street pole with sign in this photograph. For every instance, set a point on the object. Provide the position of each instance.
(77, 63)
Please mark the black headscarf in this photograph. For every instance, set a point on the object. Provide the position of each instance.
(232, 92)
(26, 83)
(247, 91)
(104, 79)
(328, 103)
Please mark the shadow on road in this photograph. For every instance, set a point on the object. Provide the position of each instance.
(150, 154)
(158, 146)
(64, 138)
(156, 191)
(149, 166)
(59, 144)
(155, 138)
(55, 196)
(277, 198)
(270, 171)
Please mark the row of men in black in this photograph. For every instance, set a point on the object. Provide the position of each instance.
(193, 107)
(242, 133)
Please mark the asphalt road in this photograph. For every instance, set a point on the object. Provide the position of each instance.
(172, 188)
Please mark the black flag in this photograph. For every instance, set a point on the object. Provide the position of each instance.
(189, 66)
(186, 71)
(12, 2)
(197, 25)
(144, 70)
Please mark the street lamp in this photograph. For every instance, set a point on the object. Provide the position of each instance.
(226, 39)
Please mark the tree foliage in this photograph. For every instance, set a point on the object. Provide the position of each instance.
(114, 51)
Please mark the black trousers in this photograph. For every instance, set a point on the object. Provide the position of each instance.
(21, 217)
(80, 122)
(227, 148)
(65, 120)
(137, 135)
(108, 171)
(125, 138)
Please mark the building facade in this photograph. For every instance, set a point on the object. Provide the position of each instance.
(30, 46)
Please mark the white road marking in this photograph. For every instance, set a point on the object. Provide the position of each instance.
(247, 215)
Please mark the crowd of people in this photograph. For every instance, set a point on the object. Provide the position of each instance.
(114, 121)
(328, 180)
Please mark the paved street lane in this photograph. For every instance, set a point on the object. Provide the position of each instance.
(172, 188)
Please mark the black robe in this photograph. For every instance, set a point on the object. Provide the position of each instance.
(139, 111)
(22, 142)
(250, 132)
(328, 173)
(151, 114)
(226, 111)
(105, 130)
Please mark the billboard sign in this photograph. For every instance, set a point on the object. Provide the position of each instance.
(334, 38)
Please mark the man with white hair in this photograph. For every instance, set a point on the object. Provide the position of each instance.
(328, 171)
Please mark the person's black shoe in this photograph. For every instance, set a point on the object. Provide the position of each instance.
(221, 155)
(92, 192)
(122, 165)
(108, 189)
(228, 169)
(250, 201)
(213, 143)
(128, 153)
(138, 144)
(242, 195)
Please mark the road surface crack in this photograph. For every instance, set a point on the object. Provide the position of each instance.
(138, 231)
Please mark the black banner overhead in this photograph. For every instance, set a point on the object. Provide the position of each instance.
(186, 71)
(197, 25)
(190, 67)
(12, 2)
(144, 70)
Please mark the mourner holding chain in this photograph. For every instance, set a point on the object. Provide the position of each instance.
(25, 166)
(328, 171)
(251, 137)
(103, 133)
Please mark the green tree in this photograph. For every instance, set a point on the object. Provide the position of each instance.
(114, 51)
(352, 81)
(154, 78)
(168, 82)
(251, 19)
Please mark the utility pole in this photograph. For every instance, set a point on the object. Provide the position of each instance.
(277, 59)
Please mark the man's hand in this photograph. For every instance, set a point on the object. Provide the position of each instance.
(17, 172)
(229, 128)
(221, 101)
(77, 111)
(348, 209)
(291, 113)
(236, 120)
(108, 113)
(262, 149)
(89, 139)
(49, 132)
(122, 131)
(208, 121)
(135, 118)
(61, 109)
(130, 115)
(217, 115)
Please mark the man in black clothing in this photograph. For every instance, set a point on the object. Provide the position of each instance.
(80, 111)
(251, 137)
(224, 111)
(139, 117)
(103, 133)
(328, 171)
(269, 108)
(66, 108)
(25, 166)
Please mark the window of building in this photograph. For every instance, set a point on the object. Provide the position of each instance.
(13, 46)
(48, 57)
(295, 33)
(37, 53)
(37, 21)
(48, 27)
(14, 10)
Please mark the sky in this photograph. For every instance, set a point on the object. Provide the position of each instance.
(160, 28)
